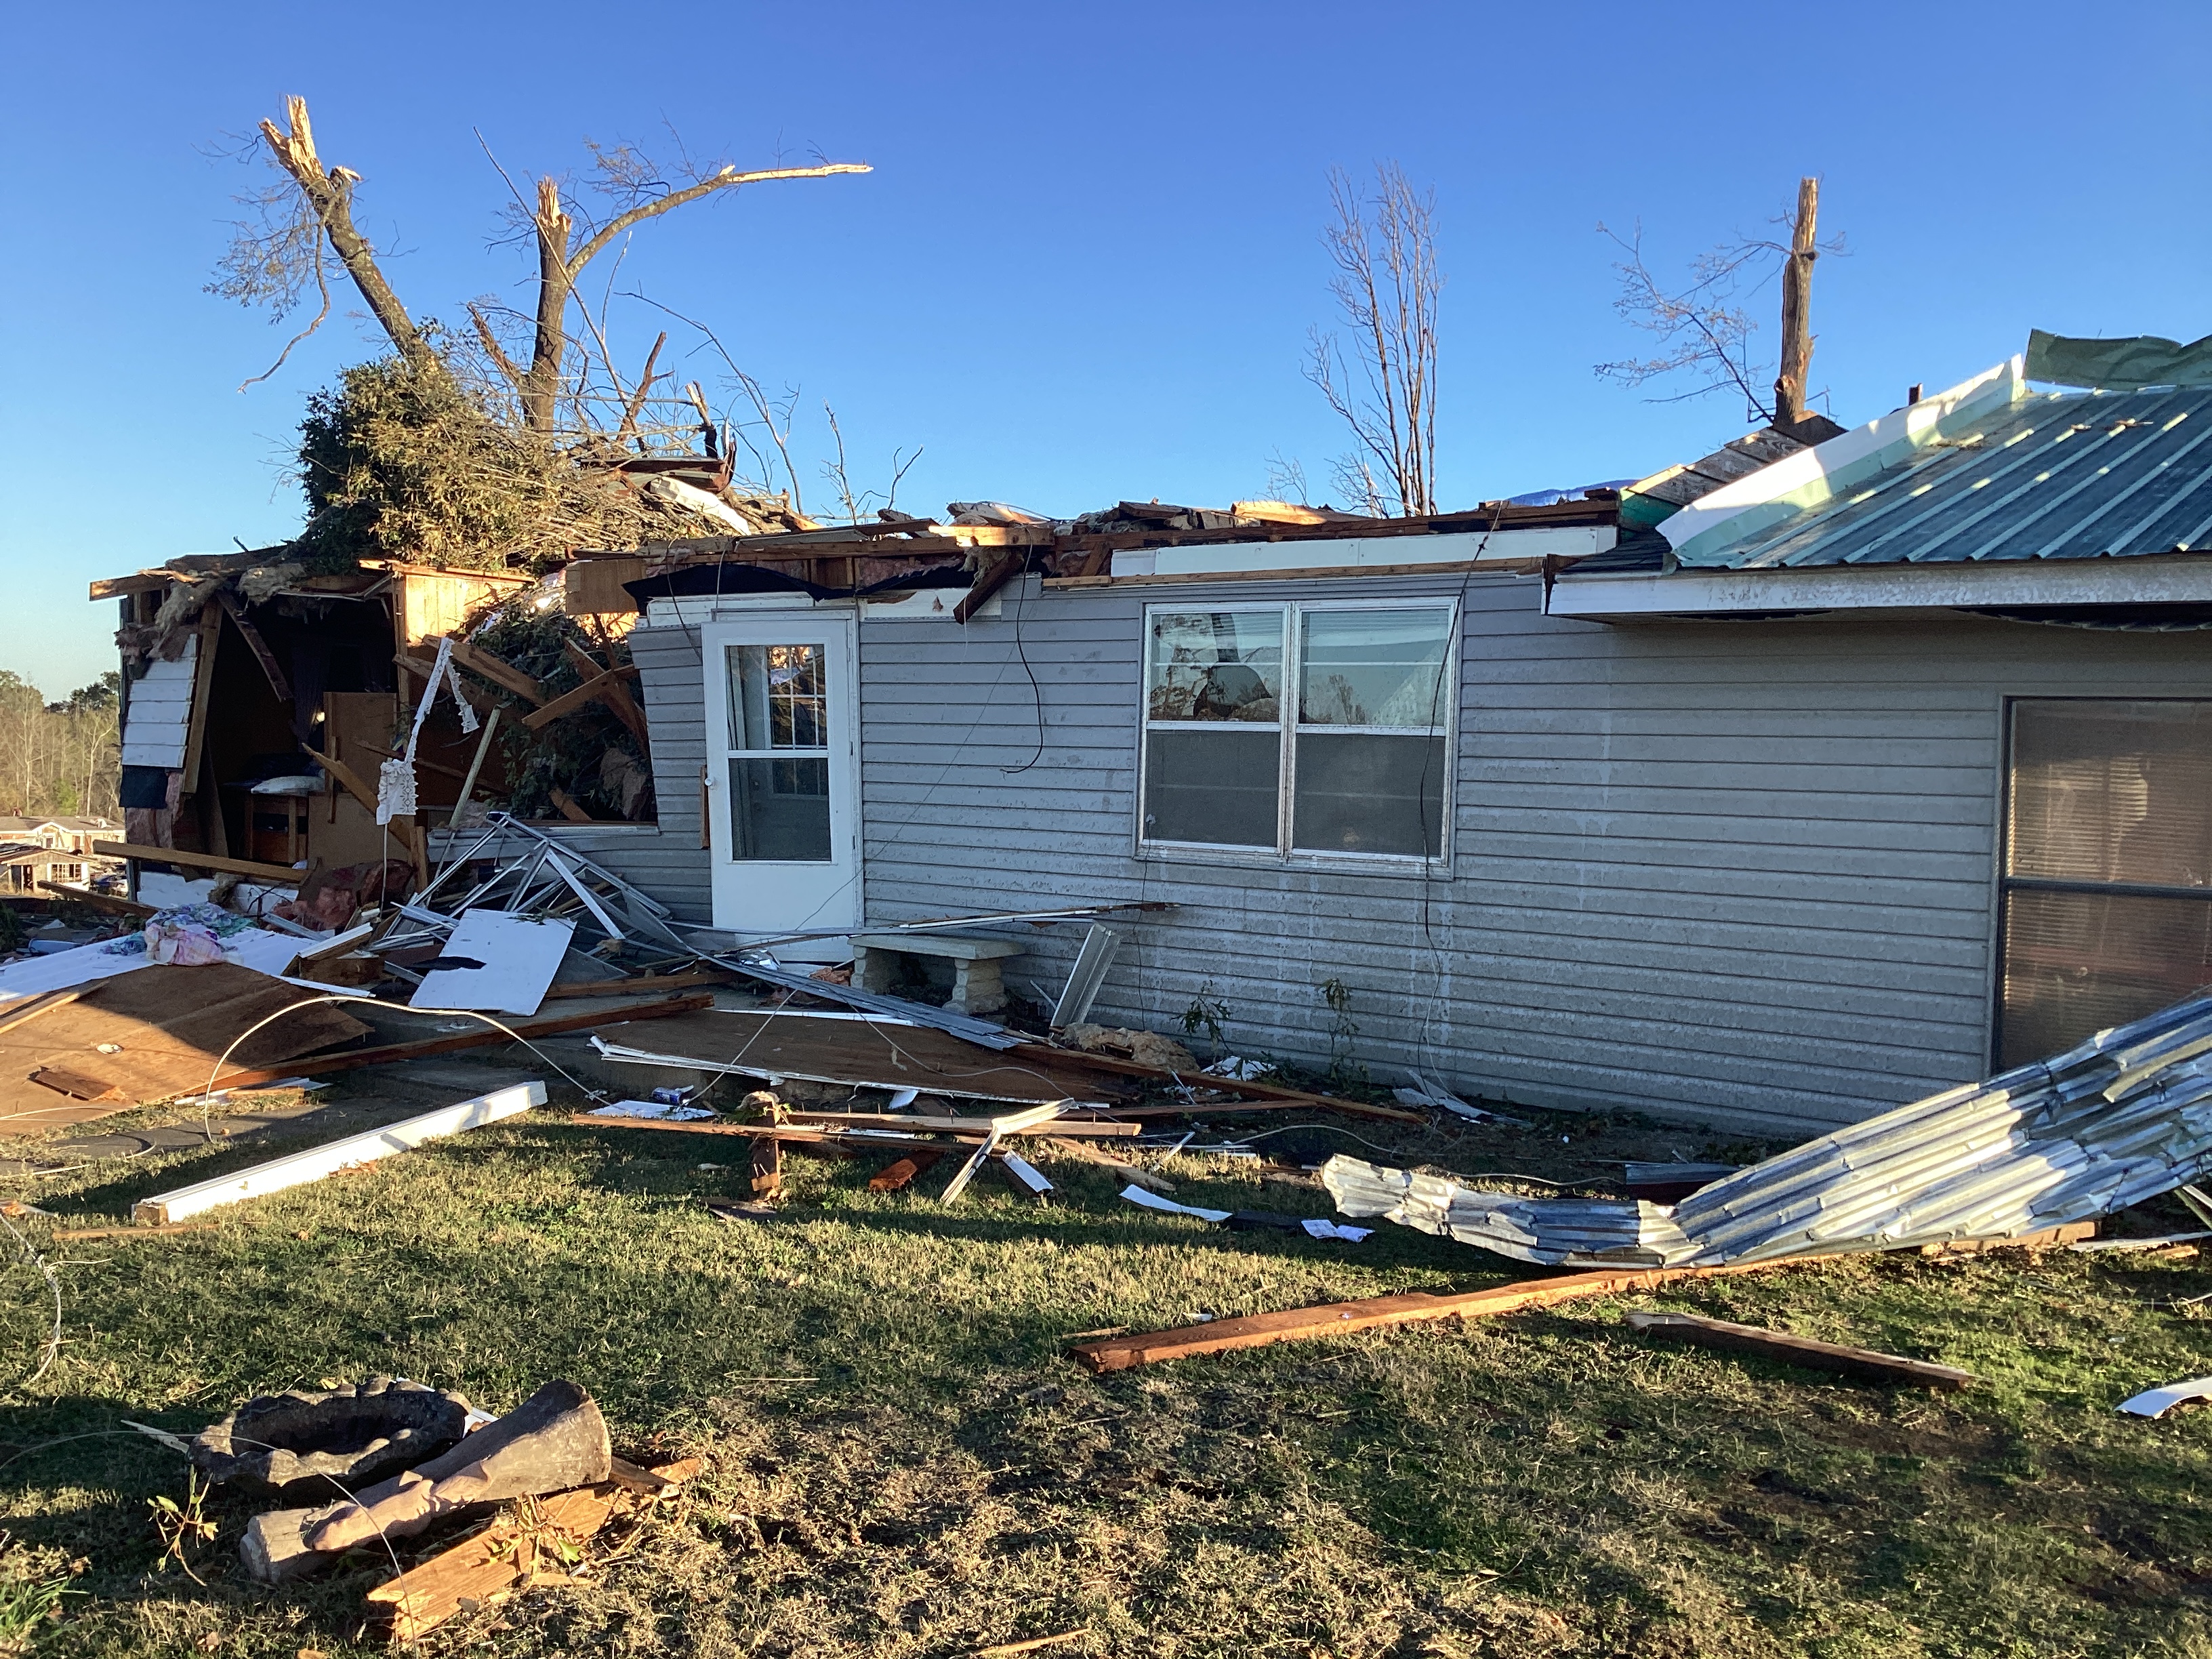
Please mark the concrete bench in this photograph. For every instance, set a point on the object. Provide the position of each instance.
(977, 987)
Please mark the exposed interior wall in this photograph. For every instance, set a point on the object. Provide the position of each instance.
(1742, 873)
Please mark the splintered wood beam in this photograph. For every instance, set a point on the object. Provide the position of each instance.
(347, 779)
(107, 902)
(500, 672)
(565, 803)
(259, 647)
(1862, 1363)
(988, 580)
(568, 701)
(1045, 1053)
(522, 1546)
(1118, 1353)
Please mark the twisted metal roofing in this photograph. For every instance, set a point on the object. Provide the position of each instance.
(2047, 476)
(2123, 1117)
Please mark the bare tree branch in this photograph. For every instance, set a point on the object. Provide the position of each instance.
(1388, 286)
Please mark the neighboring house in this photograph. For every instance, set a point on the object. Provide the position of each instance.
(1883, 764)
(34, 852)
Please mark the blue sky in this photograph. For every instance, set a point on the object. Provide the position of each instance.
(1085, 266)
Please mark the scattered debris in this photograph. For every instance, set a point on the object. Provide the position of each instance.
(495, 960)
(1797, 1350)
(1137, 1195)
(2156, 1402)
(666, 1111)
(1146, 1049)
(2163, 1241)
(555, 1440)
(1435, 1094)
(536, 1543)
(302, 1167)
(2107, 1125)
(1088, 976)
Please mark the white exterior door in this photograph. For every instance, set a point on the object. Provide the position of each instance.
(783, 799)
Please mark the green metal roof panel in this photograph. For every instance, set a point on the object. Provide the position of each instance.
(2046, 476)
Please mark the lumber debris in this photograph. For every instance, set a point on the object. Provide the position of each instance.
(1863, 1363)
(1268, 1093)
(595, 688)
(647, 984)
(354, 1060)
(1100, 1129)
(29, 1010)
(896, 1175)
(1371, 1312)
(2050, 1238)
(520, 1548)
(275, 875)
(106, 902)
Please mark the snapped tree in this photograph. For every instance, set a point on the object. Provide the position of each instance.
(1704, 333)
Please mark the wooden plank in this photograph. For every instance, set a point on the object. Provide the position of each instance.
(988, 580)
(895, 1175)
(354, 1059)
(513, 1551)
(313, 1164)
(500, 672)
(1086, 1128)
(650, 983)
(617, 694)
(1265, 1091)
(594, 586)
(275, 874)
(146, 582)
(211, 635)
(567, 805)
(259, 647)
(1798, 1350)
(568, 701)
(346, 778)
(1341, 1318)
(77, 1085)
(107, 902)
(20, 1013)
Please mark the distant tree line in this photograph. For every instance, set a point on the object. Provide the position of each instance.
(59, 759)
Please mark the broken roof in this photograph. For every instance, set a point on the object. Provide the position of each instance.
(1991, 471)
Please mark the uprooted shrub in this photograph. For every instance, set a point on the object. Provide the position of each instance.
(588, 754)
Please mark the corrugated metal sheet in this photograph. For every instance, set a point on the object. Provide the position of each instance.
(2124, 1117)
(2049, 475)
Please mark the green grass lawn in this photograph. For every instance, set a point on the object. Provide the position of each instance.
(900, 1460)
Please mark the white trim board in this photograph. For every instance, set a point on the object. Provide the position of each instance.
(301, 1168)
(2150, 580)
(1357, 552)
(913, 605)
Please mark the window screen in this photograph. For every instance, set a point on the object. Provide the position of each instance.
(2107, 887)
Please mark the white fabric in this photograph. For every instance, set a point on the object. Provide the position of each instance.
(395, 778)
(1168, 1205)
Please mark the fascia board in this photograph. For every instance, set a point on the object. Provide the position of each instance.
(1355, 552)
(2185, 581)
(1777, 490)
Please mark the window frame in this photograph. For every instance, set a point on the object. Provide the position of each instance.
(2006, 884)
(1289, 728)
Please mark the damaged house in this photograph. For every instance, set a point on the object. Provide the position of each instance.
(1852, 771)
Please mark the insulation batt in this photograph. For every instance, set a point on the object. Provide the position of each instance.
(2122, 1118)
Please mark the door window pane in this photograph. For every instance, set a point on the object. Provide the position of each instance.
(2077, 963)
(2113, 791)
(1374, 668)
(1216, 665)
(780, 811)
(1362, 792)
(1217, 787)
(779, 697)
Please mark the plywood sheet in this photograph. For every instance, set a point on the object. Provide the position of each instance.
(843, 1050)
(155, 1032)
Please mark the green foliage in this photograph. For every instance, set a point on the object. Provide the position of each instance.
(1207, 1012)
(33, 1583)
(59, 759)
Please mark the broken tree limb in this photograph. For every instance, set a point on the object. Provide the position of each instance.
(568, 701)
(617, 694)
(1797, 1350)
(1341, 1318)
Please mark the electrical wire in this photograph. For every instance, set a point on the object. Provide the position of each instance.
(32, 1258)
